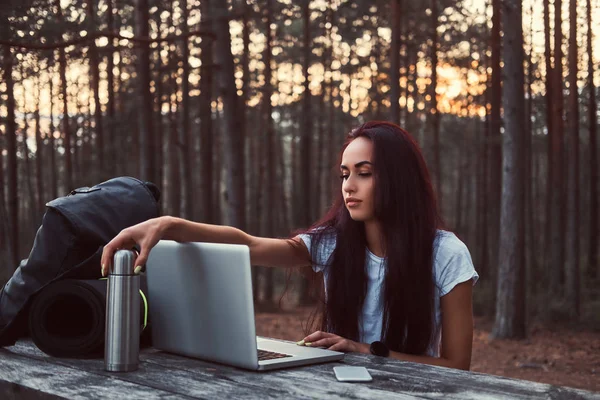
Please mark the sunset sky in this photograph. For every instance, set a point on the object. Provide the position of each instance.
(453, 83)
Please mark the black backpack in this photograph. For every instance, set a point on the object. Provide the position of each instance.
(69, 243)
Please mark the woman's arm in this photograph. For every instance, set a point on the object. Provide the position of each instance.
(457, 333)
(263, 251)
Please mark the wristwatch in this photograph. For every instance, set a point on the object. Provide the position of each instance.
(379, 349)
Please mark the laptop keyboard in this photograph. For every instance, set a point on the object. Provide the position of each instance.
(270, 355)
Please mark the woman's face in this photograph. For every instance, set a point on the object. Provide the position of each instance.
(357, 179)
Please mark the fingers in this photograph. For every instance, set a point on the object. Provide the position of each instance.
(121, 241)
(141, 259)
(314, 339)
(316, 336)
(341, 345)
(326, 342)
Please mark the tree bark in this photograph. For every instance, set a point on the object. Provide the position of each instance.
(572, 242)
(306, 134)
(187, 139)
(482, 229)
(159, 89)
(395, 63)
(30, 203)
(206, 134)
(510, 301)
(110, 106)
(11, 158)
(557, 228)
(95, 80)
(53, 168)
(5, 238)
(68, 181)
(232, 132)
(434, 114)
(245, 61)
(550, 127)
(530, 241)
(147, 159)
(306, 138)
(594, 230)
(495, 138)
(175, 147)
(39, 149)
(405, 60)
(269, 156)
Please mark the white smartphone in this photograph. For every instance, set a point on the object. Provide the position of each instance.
(352, 374)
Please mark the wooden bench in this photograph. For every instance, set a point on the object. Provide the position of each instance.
(28, 373)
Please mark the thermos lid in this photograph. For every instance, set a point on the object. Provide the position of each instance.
(123, 262)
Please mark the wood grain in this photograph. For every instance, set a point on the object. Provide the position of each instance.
(164, 375)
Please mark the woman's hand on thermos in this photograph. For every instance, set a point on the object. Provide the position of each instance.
(146, 235)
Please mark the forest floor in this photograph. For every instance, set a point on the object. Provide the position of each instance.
(557, 356)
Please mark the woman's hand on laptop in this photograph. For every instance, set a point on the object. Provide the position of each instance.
(333, 342)
(145, 235)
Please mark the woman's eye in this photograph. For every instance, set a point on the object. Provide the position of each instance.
(344, 177)
(365, 174)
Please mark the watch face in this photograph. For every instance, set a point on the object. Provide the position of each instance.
(380, 349)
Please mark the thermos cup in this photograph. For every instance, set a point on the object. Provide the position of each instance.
(122, 329)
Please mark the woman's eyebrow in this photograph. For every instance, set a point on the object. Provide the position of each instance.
(357, 165)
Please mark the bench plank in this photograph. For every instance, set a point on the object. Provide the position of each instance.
(70, 383)
(165, 375)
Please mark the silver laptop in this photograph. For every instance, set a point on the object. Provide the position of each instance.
(200, 297)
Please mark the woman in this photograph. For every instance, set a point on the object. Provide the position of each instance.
(395, 284)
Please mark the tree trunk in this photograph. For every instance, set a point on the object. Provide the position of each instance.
(481, 183)
(530, 241)
(594, 230)
(53, 168)
(405, 61)
(306, 134)
(572, 242)
(232, 128)
(11, 157)
(159, 89)
(245, 61)
(550, 127)
(147, 159)
(206, 134)
(68, 181)
(305, 139)
(395, 63)
(434, 114)
(269, 156)
(187, 140)
(375, 89)
(463, 168)
(510, 301)
(175, 147)
(330, 143)
(110, 106)
(5, 238)
(30, 203)
(495, 140)
(557, 228)
(95, 81)
(39, 198)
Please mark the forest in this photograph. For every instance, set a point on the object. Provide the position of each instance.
(237, 111)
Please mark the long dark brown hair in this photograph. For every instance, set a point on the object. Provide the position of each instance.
(405, 206)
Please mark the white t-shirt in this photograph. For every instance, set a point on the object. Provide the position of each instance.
(452, 265)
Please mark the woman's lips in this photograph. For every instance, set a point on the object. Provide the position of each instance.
(353, 203)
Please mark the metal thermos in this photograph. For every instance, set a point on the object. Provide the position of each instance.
(122, 334)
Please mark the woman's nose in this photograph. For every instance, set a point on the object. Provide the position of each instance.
(349, 185)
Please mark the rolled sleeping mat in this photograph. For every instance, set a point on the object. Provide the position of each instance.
(67, 318)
